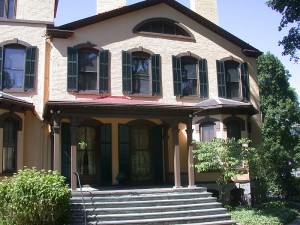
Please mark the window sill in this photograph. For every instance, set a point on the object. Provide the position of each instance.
(14, 90)
(7, 174)
(90, 92)
(191, 97)
(142, 96)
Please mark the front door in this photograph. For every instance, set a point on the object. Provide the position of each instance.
(140, 153)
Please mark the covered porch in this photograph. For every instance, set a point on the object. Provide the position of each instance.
(114, 141)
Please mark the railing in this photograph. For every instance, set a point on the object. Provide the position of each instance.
(84, 209)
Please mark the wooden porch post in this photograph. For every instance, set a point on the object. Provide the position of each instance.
(56, 144)
(191, 171)
(73, 156)
(176, 156)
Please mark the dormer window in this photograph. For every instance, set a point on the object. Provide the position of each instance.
(7, 8)
(163, 27)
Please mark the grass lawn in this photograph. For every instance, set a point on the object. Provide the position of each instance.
(273, 213)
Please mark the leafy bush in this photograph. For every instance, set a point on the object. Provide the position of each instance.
(34, 197)
(272, 213)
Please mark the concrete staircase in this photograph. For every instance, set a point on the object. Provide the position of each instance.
(149, 206)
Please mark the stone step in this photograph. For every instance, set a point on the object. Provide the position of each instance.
(122, 192)
(124, 210)
(144, 203)
(168, 221)
(149, 206)
(141, 197)
(142, 215)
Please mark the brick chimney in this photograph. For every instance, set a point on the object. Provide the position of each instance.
(206, 8)
(108, 5)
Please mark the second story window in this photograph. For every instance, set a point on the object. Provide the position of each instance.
(141, 73)
(7, 8)
(233, 80)
(17, 67)
(88, 70)
(190, 76)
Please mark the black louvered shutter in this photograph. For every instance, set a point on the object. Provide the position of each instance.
(105, 154)
(155, 63)
(177, 77)
(124, 150)
(72, 69)
(30, 68)
(1, 66)
(245, 81)
(221, 79)
(127, 71)
(203, 78)
(103, 71)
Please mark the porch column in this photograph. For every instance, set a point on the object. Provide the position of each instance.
(73, 157)
(56, 142)
(177, 179)
(191, 171)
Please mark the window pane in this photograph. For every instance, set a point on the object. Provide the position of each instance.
(14, 62)
(87, 77)
(234, 130)
(9, 159)
(207, 132)
(86, 156)
(189, 76)
(87, 81)
(87, 61)
(2, 8)
(11, 9)
(140, 72)
(232, 79)
(9, 146)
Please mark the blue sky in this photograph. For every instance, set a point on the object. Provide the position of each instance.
(250, 20)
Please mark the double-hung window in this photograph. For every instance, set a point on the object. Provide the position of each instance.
(17, 67)
(233, 80)
(88, 70)
(190, 76)
(7, 8)
(141, 73)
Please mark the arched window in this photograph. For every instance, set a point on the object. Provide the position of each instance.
(88, 69)
(233, 80)
(141, 72)
(17, 67)
(11, 124)
(162, 27)
(190, 76)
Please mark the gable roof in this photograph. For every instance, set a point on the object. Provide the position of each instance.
(247, 49)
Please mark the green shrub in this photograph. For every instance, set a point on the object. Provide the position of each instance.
(272, 213)
(34, 197)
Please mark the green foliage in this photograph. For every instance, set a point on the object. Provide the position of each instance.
(273, 213)
(34, 197)
(279, 152)
(223, 156)
(290, 10)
